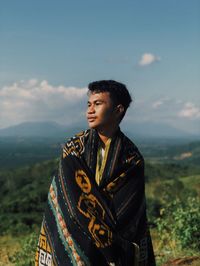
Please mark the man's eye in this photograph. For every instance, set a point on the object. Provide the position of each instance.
(98, 103)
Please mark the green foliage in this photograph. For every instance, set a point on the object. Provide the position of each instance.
(23, 151)
(162, 192)
(166, 170)
(23, 196)
(169, 190)
(26, 256)
(178, 224)
(153, 209)
(170, 151)
(172, 188)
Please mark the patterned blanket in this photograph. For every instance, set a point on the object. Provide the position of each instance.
(89, 224)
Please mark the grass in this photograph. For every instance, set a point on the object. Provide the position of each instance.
(19, 250)
(9, 245)
(192, 182)
(166, 253)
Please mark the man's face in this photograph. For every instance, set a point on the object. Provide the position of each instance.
(101, 114)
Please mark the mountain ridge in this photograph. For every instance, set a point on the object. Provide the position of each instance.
(53, 129)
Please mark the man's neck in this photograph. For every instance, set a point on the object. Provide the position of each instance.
(107, 134)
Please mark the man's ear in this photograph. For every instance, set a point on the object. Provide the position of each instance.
(120, 109)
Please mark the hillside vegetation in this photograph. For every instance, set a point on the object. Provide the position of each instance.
(172, 189)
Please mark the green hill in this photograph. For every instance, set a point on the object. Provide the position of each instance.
(23, 193)
(172, 175)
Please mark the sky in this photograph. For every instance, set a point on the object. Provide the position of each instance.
(50, 50)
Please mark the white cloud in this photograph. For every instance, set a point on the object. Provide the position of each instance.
(162, 102)
(148, 59)
(165, 110)
(33, 100)
(176, 113)
(189, 111)
(156, 104)
(175, 108)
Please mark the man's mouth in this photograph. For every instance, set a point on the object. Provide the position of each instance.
(91, 119)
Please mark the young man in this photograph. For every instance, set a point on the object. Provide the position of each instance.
(96, 212)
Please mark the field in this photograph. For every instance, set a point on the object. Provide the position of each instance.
(172, 190)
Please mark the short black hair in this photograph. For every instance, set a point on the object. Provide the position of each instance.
(119, 94)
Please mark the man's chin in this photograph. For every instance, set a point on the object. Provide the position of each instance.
(93, 126)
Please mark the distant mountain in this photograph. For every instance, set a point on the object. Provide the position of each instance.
(157, 130)
(38, 129)
(52, 129)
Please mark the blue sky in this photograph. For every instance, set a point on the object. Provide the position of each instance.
(151, 46)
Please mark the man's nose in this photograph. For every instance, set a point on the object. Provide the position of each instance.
(91, 109)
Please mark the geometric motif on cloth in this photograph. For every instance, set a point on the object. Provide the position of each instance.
(43, 254)
(75, 146)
